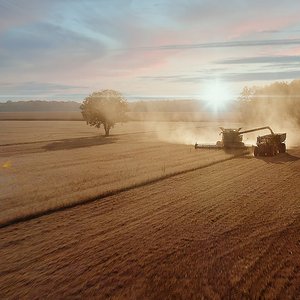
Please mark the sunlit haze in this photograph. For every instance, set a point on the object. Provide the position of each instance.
(145, 49)
(216, 95)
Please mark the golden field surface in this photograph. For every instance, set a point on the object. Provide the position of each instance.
(55, 163)
(160, 219)
(132, 116)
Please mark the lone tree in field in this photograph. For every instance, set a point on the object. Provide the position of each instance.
(106, 107)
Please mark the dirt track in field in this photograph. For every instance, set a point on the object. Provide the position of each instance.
(230, 230)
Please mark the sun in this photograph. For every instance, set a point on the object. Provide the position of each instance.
(216, 95)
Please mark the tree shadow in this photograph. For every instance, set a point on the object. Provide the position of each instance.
(82, 142)
(280, 158)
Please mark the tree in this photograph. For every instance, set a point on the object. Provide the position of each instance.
(106, 108)
(278, 102)
(247, 94)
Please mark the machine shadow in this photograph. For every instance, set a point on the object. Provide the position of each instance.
(279, 158)
(82, 142)
(238, 152)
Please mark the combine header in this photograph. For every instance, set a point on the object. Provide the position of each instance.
(267, 145)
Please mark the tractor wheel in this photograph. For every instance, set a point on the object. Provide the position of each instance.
(260, 151)
(255, 152)
(282, 148)
(269, 151)
(273, 150)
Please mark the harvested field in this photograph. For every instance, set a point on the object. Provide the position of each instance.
(212, 225)
(133, 116)
(54, 164)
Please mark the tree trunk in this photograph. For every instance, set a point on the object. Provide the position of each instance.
(106, 128)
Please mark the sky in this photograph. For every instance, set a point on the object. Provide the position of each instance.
(145, 49)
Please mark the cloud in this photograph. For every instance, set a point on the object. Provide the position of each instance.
(234, 77)
(49, 47)
(209, 20)
(125, 44)
(262, 76)
(228, 44)
(35, 88)
(261, 59)
(15, 14)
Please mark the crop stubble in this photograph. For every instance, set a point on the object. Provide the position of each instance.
(230, 230)
(55, 164)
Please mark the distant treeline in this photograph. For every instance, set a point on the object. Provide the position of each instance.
(273, 103)
(38, 105)
(139, 106)
(166, 106)
(278, 102)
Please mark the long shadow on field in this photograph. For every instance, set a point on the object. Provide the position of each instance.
(279, 159)
(82, 142)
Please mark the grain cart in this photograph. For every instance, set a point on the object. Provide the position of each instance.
(270, 144)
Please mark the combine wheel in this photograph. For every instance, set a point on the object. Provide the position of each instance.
(273, 150)
(269, 151)
(260, 151)
(256, 151)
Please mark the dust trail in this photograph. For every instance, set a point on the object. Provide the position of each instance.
(279, 114)
(187, 133)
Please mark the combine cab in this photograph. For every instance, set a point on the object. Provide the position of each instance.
(270, 144)
(231, 138)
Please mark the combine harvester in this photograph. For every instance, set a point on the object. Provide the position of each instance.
(266, 145)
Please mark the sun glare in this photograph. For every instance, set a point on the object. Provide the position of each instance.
(216, 95)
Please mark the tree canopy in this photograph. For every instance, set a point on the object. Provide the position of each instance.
(106, 107)
(278, 102)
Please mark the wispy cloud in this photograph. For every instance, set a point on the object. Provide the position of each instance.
(227, 44)
(47, 46)
(131, 45)
(230, 76)
(262, 59)
(262, 76)
(36, 88)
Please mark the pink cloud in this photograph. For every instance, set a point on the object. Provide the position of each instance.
(17, 14)
(290, 51)
(262, 24)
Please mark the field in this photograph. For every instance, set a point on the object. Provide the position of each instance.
(156, 219)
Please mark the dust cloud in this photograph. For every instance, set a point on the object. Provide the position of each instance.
(278, 114)
(276, 105)
(282, 115)
(187, 133)
(182, 121)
